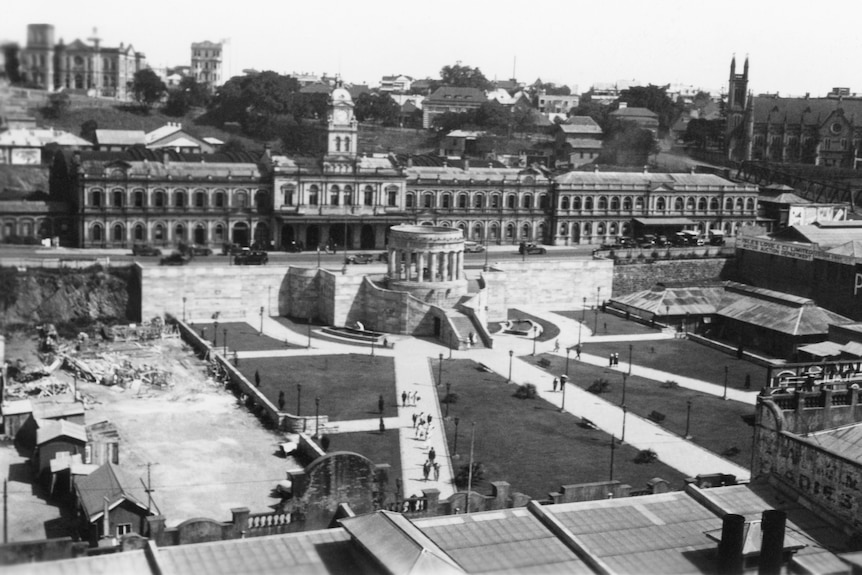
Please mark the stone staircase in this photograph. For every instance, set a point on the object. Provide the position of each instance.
(464, 325)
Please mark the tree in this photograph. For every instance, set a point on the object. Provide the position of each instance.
(493, 116)
(595, 110)
(188, 94)
(88, 130)
(377, 108)
(13, 64)
(58, 105)
(464, 77)
(233, 145)
(627, 144)
(148, 88)
(655, 99)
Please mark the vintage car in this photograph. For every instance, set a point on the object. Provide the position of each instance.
(359, 259)
(145, 250)
(531, 249)
(251, 258)
(473, 247)
(175, 259)
(200, 251)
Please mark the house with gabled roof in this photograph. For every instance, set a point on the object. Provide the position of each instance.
(644, 118)
(57, 436)
(172, 136)
(450, 99)
(106, 505)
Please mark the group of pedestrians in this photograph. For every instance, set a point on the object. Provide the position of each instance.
(409, 399)
(422, 426)
(613, 360)
(430, 466)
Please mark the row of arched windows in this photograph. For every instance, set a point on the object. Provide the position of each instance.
(626, 204)
(199, 233)
(463, 200)
(178, 199)
(511, 230)
(338, 195)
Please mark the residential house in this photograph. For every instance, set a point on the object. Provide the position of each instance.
(107, 507)
(642, 117)
(119, 140)
(555, 106)
(53, 437)
(398, 84)
(172, 136)
(26, 146)
(461, 143)
(450, 99)
(577, 141)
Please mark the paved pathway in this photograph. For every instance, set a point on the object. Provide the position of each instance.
(414, 372)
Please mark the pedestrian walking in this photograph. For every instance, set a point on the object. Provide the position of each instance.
(616, 359)
(556, 346)
(426, 469)
(257, 378)
(436, 472)
(382, 427)
(403, 399)
(432, 455)
(578, 351)
(416, 398)
(428, 429)
(415, 419)
(610, 360)
(411, 397)
(281, 401)
(556, 381)
(380, 403)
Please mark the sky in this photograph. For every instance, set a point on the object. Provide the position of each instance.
(795, 47)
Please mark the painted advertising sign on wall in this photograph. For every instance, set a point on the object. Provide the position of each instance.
(806, 215)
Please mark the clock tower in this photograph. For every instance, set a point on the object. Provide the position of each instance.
(341, 129)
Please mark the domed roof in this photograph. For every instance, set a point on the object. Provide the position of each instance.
(340, 94)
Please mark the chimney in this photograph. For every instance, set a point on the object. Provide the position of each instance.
(730, 547)
(772, 543)
(166, 157)
(466, 163)
(646, 169)
(409, 161)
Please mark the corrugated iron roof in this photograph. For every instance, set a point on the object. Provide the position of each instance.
(648, 180)
(120, 137)
(53, 428)
(107, 482)
(128, 563)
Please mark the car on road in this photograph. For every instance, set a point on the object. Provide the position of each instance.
(200, 251)
(145, 250)
(251, 258)
(231, 249)
(175, 259)
(531, 249)
(473, 248)
(359, 259)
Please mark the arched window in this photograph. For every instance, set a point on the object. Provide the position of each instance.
(478, 200)
(728, 204)
(368, 196)
(410, 200)
(477, 232)
(588, 203)
(139, 232)
(159, 233)
(603, 203)
(337, 143)
(118, 198)
(600, 228)
(639, 203)
(613, 229)
(347, 196)
(495, 201)
(543, 201)
(588, 229)
(447, 201)
(334, 191)
(219, 199)
(96, 199)
(525, 231)
(346, 144)
(510, 232)
(749, 204)
(740, 203)
(713, 204)
(615, 203)
(287, 192)
(462, 201)
(261, 200)
(689, 204)
(527, 202)
(428, 200)
(494, 232)
(392, 196)
(701, 204)
(576, 203)
(510, 201)
(179, 199)
(200, 199)
(564, 230)
(97, 233)
(627, 204)
(564, 203)
(678, 204)
(118, 233)
(180, 233)
(219, 233)
(241, 199)
(313, 192)
(659, 204)
(139, 198)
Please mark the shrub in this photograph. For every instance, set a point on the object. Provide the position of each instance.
(656, 416)
(599, 386)
(463, 476)
(450, 398)
(324, 442)
(646, 456)
(732, 451)
(670, 384)
(526, 391)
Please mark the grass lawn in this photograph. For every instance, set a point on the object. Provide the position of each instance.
(348, 385)
(530, 444)
(607, 323)
(685, 358)
(549, 330)
(715, 424)
(379, 448)
(243, 337)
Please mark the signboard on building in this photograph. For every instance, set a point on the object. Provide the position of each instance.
(797, 251)
(802, 215)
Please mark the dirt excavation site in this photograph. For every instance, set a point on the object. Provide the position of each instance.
(206, 452)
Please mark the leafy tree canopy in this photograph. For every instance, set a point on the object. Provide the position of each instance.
(552, 89)
(189, 93)
(655, 99)
(147, 88)
(627, 144)
(464, 77)
(88, 130)
(58, 105)
(380, 108)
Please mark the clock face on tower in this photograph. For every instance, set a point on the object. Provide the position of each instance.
(340, 116)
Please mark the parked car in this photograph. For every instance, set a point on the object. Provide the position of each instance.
(531, 249)
(473, 247)
(175, 259)
(359, 259)
(383, 257)
(200, 251)
(231, 249)
(145, 250)
(251, 258)
(628, 242)
(293, 247)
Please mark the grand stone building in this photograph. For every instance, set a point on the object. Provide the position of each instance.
(821, 131)
(105, 71)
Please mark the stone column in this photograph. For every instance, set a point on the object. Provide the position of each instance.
(459, 268)
(420, 266)
(390, 262)
(444, 269)
(451, 264)
(432, 266)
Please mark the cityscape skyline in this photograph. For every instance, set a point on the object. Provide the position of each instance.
(695, 47)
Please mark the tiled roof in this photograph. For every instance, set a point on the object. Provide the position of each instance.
(783, 198)
(128, 563)
(634, 113)
(809, 111)
(826, 236)
(853, 249)
(586, 123)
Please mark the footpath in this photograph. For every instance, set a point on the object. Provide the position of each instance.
(414, 374)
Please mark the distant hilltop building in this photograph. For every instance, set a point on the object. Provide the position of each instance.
(820, 131)
(95, 69)
(206, 63)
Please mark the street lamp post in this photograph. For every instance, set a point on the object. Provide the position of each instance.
(667, 315)
(583, 319)
(184, 308)
(298, 399)
(598, 297)
(261, 321)
(687, 418)
(372, 348)
(623, 437)
(630, 358)
(563, 381)
(440, 371)
(511, 353)
(448, 397)
(317, 417)
(724, 396)
(535, 335)
(455, 447)
(625, 377)
(224, 333)
(215, 332)
(568, 349)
